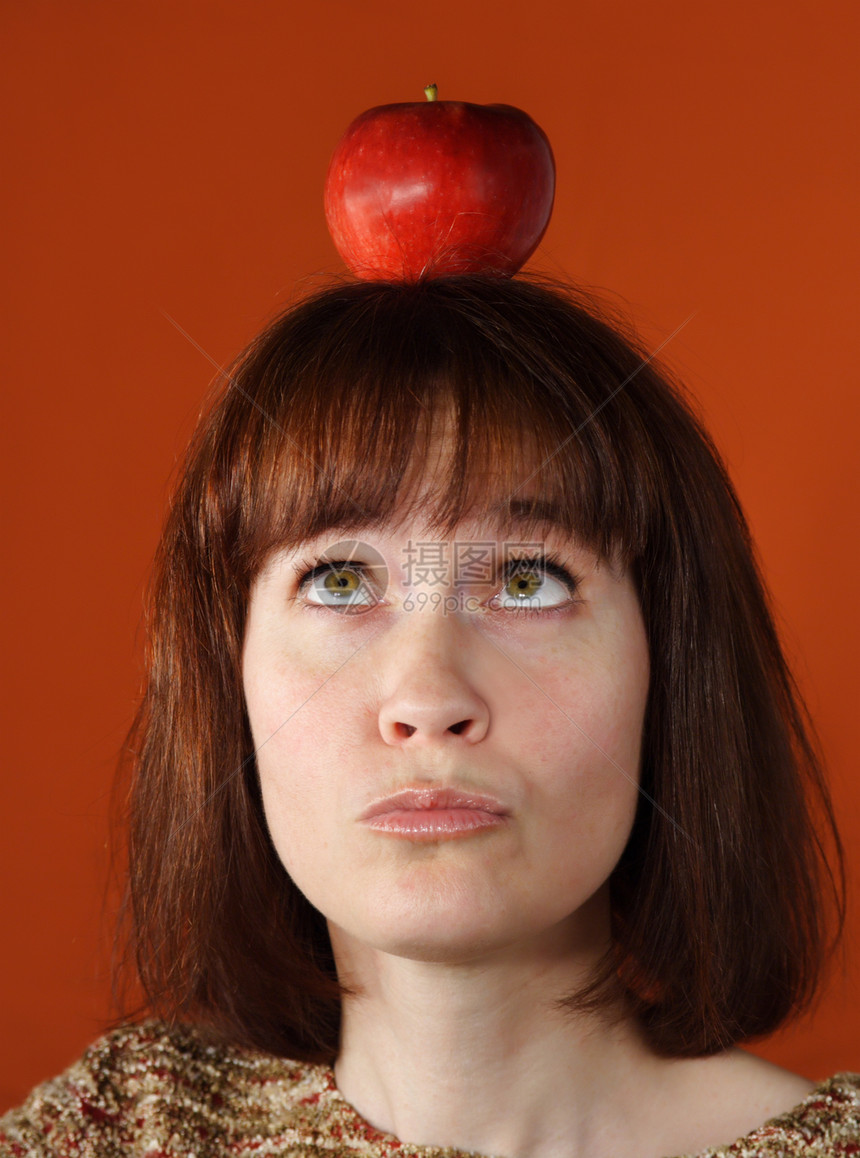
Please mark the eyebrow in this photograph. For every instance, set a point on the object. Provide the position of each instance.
(511, 513)
(508, 514)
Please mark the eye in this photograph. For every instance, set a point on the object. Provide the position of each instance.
(339, 584)
(535, 585)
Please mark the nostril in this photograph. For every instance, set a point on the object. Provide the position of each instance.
(404, 731)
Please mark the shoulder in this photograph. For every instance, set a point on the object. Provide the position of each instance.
(826, 1123)
(151, 1088)
(757, 1108)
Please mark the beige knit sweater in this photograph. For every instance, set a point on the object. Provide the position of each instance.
(151, 1091)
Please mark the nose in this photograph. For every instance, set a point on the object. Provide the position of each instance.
(432, 699)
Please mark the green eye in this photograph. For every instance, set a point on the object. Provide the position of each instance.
(532, 585)
(341, 581)
(524, 585)
(340, 586)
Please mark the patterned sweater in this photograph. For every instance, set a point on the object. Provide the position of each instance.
(164, 1093)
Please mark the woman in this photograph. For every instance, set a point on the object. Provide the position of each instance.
(473, 805)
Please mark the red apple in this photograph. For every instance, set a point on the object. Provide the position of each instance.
(439, 187)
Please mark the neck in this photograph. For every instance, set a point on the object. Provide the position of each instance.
(477, 1054)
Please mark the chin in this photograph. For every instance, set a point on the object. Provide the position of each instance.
(439, 947)
(439, 924)
(452, 928)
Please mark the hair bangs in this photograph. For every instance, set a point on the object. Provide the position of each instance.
(381, 400)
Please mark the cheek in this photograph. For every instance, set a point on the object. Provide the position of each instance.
(307, 722)
(297, 728)
(578, 726)
(280, 697)
(590, 706)
(295, 694)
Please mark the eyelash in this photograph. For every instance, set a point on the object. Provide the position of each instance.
(549, 565)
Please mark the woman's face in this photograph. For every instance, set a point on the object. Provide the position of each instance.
(448, 739)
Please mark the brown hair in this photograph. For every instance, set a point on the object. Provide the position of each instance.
(721, 899)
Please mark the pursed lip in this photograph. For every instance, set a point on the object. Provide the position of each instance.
(434, 799)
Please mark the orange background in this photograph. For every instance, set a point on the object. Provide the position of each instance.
(167, 157)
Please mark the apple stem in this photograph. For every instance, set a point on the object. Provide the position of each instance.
(430, 92)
